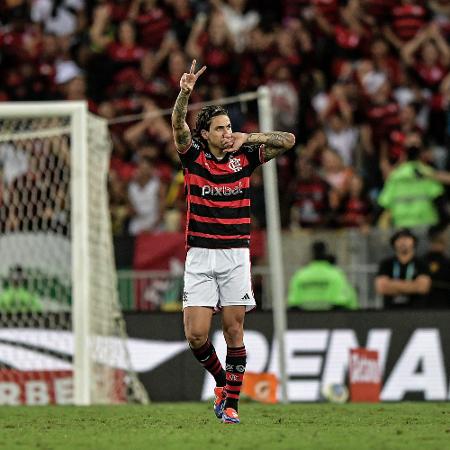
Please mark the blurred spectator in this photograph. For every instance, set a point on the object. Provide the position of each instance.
(239, 20)
(33, 203)
(119, 205)
(125, 50)
(410, 191)
(309, 194)
(153, 129)
(152, 21)
(284, 99)
(15, 297)
(146, 195)
(396, 149)
(183, 16)
(439, 267)
(406, 19)
(60, 17)
(342, 137)
(13, 161)
(431, 65)
(211, 42)
(335, 172)
(320, 285)
(382, 111)
(383, 61)
(334, 101)
(403, 280)
(258, 55)
(365, 79)
(356, 208)
(101, 32)
(441, 15)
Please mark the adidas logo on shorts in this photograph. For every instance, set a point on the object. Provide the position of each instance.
(246, 297)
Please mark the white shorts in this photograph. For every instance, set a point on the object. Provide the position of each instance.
(218, 277)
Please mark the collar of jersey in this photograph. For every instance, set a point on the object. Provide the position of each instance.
(214, 158)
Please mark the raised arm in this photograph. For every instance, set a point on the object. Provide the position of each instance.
(181, 131)
(275, 142)
(441, 44)
(409, 49)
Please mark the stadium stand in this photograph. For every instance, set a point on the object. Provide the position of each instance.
(361, 83)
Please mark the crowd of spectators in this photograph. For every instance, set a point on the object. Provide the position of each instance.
(363, 84)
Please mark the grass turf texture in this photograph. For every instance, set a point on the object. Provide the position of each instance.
(185, 426)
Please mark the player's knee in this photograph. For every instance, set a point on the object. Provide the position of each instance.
(233, 333)
(195, 339)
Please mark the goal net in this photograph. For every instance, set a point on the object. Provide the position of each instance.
(62, 334)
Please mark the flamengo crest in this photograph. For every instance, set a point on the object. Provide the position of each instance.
(235, 164)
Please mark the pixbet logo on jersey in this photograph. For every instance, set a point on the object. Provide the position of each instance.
(221, 190)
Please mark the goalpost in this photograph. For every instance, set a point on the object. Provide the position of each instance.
(274, 241)
(59, 310)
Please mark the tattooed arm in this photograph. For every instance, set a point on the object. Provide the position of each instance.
(275, 142)
(181, 131)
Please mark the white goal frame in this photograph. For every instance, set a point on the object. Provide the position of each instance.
(81, 264)
(265, 116)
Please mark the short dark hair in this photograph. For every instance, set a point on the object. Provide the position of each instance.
(205, 117)
(403, 232)
(319, 250)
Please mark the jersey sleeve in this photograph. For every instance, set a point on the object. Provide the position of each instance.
(253, 153)
(191, 153)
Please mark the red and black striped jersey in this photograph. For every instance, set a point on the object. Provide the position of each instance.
(407, 20)
(218, 195)
(383, 118)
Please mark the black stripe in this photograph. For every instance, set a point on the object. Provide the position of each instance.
(197, 191)
(197, 169)
(190, 155)
(196, 241)
(222, 213)
(219, 229)
(234, 391)
(234, 383)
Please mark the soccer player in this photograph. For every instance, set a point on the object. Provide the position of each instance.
(217, 166)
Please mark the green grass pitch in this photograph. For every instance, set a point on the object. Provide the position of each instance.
(184, 426)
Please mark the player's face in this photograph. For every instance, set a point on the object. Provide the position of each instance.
(219, 132)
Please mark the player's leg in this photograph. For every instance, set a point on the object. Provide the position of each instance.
(199, 298)
(197, 323)
(236, 360)
(236, 297)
